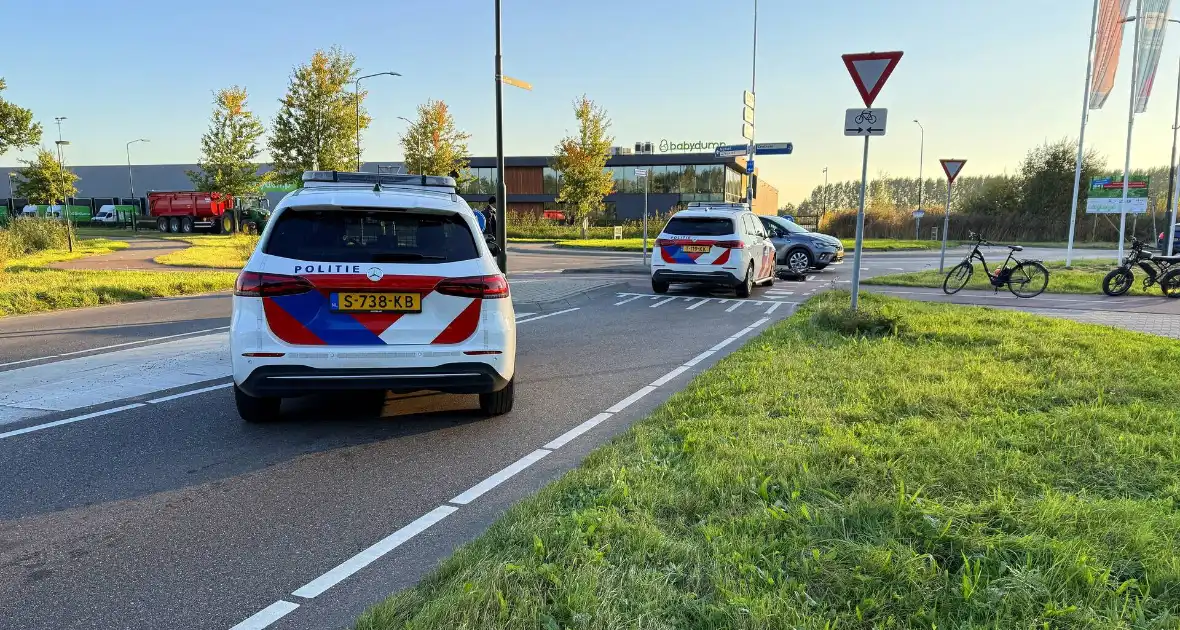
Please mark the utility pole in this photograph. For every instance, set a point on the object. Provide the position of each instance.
(753, 77)
(1172, 170)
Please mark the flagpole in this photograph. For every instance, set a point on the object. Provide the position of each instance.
(1130, 126)
(1077, 174)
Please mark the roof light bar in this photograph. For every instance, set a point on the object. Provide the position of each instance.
(387, 179)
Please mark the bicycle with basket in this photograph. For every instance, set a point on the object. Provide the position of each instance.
(1026, 278)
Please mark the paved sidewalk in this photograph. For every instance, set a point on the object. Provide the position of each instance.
(139, 256)
(1152, 323)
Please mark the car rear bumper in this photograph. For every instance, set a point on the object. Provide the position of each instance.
(286, 381)
(697, 277)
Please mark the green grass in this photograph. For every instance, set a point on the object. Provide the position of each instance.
(82, 249)
(213, 252)
(974, 469)
(618, 245)
(31, 290)
(1084, 277)
(532, 240)
(896, 245)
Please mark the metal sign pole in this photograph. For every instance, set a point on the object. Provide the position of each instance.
(646, 187)
(946, 223)
(860, 225)
(1130, 128)
(1077, 174)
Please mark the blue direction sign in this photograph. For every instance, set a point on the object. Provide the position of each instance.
(731, 150)
(774, 148)
(918, 214)
(749, 167)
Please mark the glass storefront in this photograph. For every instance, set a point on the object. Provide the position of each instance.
(482, 182)
(693, 182)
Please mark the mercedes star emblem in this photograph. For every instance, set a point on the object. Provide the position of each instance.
(375, 274)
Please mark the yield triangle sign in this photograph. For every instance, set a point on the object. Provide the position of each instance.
(952, 168)
(870, 71)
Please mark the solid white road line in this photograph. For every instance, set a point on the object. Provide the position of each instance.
(368, 556)
(699, 304)
(568, 436)
(663, 380)
(533, 319)
(212, 388)
(700, 357)
(520, 316)
(662, 302)
(117, 345)
(266, 616)
(627, 402)
(773, 307)
(474, 492)
(810, 278)
(58, 423)
(630, 299)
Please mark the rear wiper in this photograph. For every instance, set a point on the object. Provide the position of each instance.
(404, 257)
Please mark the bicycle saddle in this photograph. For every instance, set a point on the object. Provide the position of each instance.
(1016, 248)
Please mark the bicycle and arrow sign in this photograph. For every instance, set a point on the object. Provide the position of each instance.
(860, 121)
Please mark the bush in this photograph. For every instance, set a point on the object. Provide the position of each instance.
(871, 319)
(25, 236)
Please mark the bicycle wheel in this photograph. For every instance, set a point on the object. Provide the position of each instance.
(957, 278)
(1028, 279)
(1118, 282)
(1170, 283)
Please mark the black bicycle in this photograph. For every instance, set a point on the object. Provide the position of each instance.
(1026, 279)
(1119, 281)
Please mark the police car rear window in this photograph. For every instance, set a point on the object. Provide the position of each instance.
(360, 235)
(699, 226)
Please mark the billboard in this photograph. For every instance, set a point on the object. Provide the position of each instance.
(1106, 195)
(1153, 25)
(1109, 39)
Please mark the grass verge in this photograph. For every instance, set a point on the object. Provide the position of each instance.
(32, 289)
(636, 244)
(213, 252)
(1084, 277)
(82, 249)
(967, 468)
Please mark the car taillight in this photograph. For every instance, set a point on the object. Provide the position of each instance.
(254, 284)
(480, 287)
(729, 244)
(663, 242)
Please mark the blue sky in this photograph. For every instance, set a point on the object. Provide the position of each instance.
(988, 79)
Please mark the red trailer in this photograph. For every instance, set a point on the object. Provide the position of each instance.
(185, 211)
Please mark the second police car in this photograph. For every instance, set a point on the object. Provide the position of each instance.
(713, 244)
(363, 281)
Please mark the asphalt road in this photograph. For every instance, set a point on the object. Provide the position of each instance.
(165, 510)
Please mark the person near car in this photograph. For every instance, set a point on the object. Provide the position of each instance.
(489, 215)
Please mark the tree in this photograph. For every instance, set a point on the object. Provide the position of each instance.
(17, 129)
(581, 160)
(44, 180)
(316, 127)
(433, 145)
(229, 148)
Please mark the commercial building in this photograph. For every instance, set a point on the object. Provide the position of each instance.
(675, 179)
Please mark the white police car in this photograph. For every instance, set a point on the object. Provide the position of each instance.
(716, 244)
(363, 281)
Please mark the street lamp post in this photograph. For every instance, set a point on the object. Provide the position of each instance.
(921, 182)
(419, 140)
(131, 179)
(753, 76)
(61, 166)
(357, 98)
(1172, 204)
(825, 211)
(501, 186)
